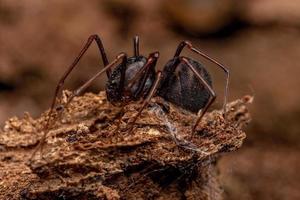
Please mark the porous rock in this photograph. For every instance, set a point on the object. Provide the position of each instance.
(88, 154)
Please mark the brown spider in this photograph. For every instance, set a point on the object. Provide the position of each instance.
(183, 81)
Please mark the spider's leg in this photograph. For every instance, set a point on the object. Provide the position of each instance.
(75, 93)
(136, 46)
(142, 73)
(73, 65)
(121, 85)
(208, 87)
(223, 67)
(151, 60)
(147, 100)
(123, 72)
(122, 56)
(66, 74)
(78, 91)
(100, 46)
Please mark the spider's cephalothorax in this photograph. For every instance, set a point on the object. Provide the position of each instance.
(183, 81)
(119, 90)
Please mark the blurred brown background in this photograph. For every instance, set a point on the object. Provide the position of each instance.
(258, 40)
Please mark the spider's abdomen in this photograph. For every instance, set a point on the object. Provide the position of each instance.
(115, 93)
(179, 85)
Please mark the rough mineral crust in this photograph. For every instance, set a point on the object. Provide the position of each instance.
(88, 154)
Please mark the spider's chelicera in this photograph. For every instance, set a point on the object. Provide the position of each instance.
(183, 81)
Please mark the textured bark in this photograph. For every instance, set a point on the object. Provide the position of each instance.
(85, 158)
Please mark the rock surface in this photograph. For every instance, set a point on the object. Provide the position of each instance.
(84, 157)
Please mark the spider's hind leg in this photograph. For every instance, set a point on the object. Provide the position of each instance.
(207, 57)
(207, 86)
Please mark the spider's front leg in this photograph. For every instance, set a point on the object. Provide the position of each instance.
(78, 91)
(60, 84)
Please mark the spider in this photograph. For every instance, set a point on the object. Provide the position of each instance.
(183, 81)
